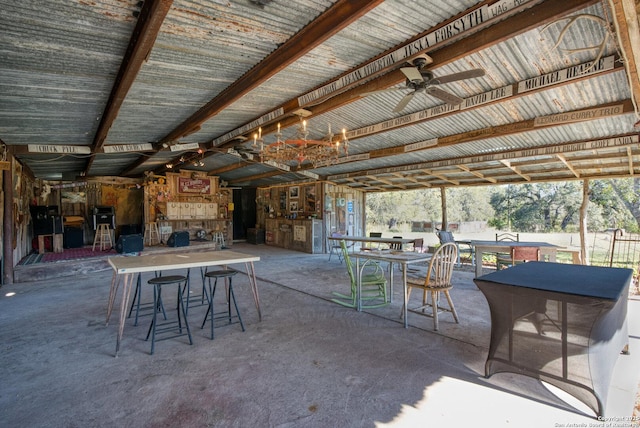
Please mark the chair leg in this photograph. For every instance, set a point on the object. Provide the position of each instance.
(434, 305)
(453, 308)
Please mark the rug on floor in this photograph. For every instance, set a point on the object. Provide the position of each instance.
(76, 253)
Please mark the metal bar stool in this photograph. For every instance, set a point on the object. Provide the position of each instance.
(144, 306)
(226, 274)
(168, 326)
(196, 299)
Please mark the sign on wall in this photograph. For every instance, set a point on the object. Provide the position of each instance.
(194, 185)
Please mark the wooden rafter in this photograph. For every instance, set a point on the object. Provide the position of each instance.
(477, 174)
(564, 160)
(516, 170)
(144, 35)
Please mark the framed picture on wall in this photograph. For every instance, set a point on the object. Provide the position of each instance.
(294, 192)
(283, 200)
(310, 198)
(293, 206)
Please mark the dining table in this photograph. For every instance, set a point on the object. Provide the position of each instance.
(547, 250)
(125, 269)
(402, 258)
(373, 240)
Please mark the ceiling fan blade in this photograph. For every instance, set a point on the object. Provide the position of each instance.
(412, 73)
(403, 102)
(444, 95)
(476, 72)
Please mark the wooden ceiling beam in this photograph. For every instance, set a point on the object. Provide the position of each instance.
(144, 35)
(333, 20)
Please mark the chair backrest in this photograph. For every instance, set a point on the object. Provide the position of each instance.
(418, 243)
(445, 236)
(375, 234)
(524, 254)
(507, 236)
(441, 266)
(396, 246)
(347, 262)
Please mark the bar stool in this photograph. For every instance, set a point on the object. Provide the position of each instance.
(151, 233)
(218, 237)
(102, 238)
(168, 326)
(226, 274)
(197, 299)
(144, 307)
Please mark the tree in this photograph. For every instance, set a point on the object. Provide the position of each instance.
(536, 207)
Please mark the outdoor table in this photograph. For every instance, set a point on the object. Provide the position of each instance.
(373, 240)
(403, 258)
(125, 268)
(561, 323)
(481, 247)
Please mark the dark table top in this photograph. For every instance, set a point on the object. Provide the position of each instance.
(590, 281)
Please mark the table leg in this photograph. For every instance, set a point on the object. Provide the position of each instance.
(126, 290)
(479, 255)
(404, 292)
(391, 281)
(358, 285)
(251, 273)
(115, 283)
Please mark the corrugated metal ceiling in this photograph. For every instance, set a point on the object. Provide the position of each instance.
(215, 68)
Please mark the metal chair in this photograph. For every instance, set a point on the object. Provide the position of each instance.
(143, 308)
(463, 247)
(373, 284)
(334, 246)
(436, 281)
(505, 258)
(370, 245)
(168, 326)
(227, 275)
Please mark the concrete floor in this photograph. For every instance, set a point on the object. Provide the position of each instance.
(309, 362)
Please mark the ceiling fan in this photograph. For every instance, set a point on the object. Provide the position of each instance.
(419, 79)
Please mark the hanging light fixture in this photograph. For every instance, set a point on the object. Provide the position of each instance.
(301, 149)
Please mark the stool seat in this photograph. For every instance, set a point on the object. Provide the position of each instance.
(169, 279)
(221, 273)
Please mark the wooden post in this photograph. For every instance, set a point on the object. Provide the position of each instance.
(7, 228)
(443, 200)
(583, 222)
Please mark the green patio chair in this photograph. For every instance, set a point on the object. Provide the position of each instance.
(374, 284)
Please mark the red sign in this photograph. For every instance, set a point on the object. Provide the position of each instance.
(194, 185)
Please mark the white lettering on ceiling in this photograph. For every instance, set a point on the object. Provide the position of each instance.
(56, 149)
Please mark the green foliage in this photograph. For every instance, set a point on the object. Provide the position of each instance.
(530, 207)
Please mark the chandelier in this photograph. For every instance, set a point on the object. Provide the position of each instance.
(301, 149)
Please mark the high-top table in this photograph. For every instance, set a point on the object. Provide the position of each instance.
(561, 323)
(125, 268)
(481, 247)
